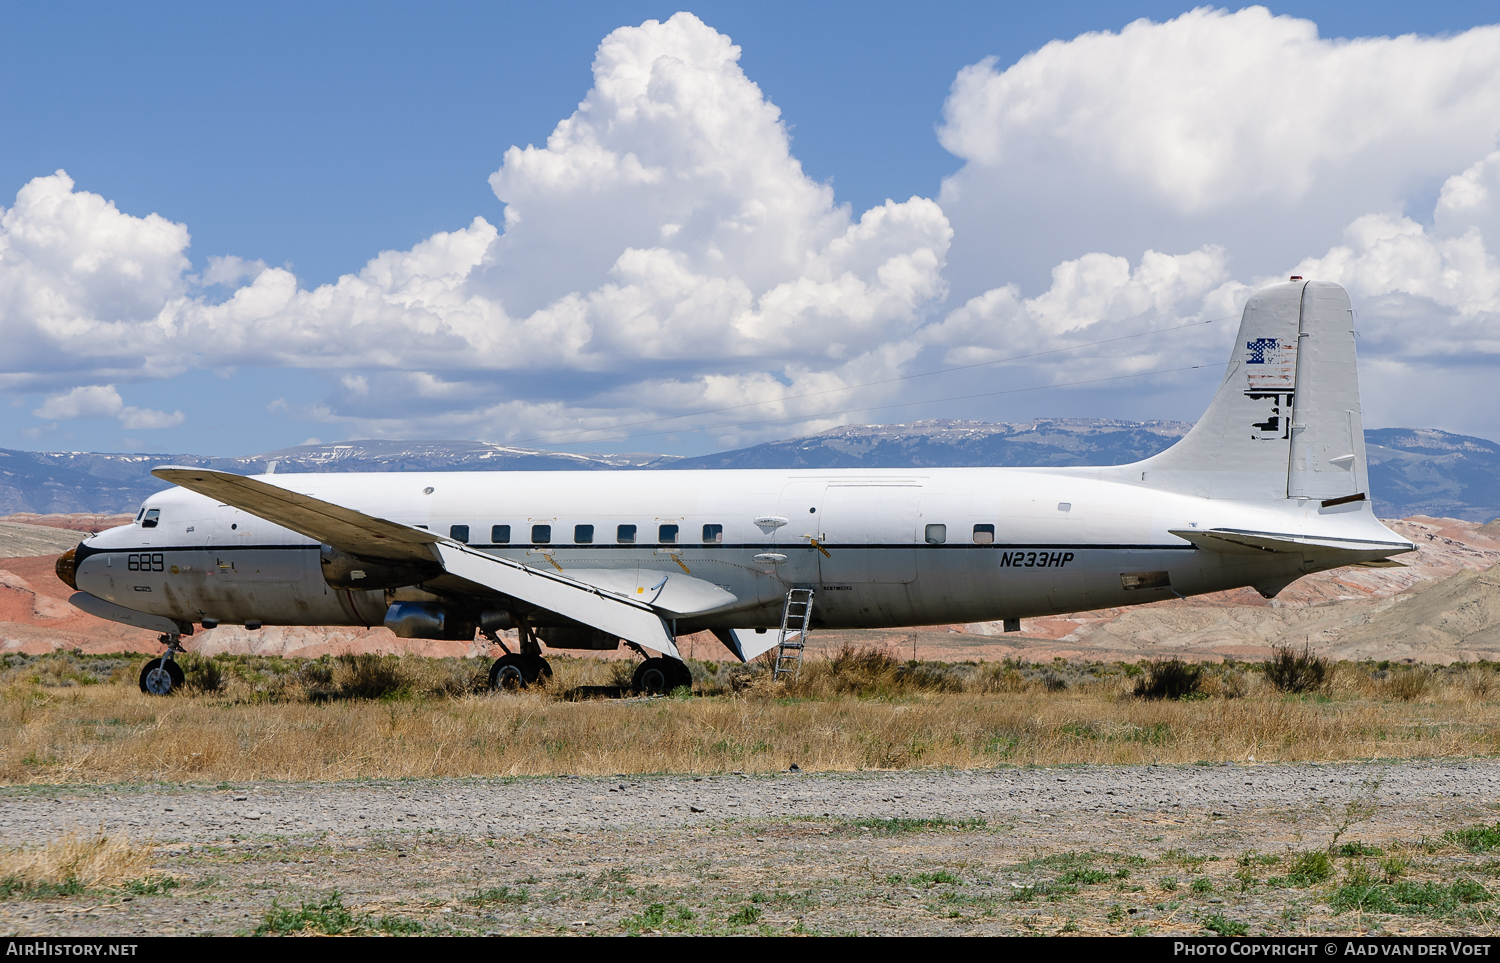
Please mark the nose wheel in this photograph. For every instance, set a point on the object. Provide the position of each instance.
(163, 676)
(160, 677)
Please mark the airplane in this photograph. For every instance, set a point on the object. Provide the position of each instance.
(1270, 485)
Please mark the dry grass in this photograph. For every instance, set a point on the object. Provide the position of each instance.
(74, 863)
(304, 720)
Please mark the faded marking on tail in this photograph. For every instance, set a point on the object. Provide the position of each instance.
(1285, 422)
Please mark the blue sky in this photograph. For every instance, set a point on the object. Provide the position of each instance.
(304, 142)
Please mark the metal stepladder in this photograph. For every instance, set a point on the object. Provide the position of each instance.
(796, 622)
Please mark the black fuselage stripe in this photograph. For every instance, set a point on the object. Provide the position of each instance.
(678, 549)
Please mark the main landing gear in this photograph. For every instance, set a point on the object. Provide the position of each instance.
(517, 670)
(659, 675)
(162, 676)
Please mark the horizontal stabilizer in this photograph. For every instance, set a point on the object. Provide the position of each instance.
(1241, 542)
(344, 528)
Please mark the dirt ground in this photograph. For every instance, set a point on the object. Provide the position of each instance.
(1295, 849)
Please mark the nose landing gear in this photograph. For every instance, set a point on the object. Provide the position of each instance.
(162, 676)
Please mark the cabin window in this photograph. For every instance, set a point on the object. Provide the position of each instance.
(541, 534)
(1065, 506)
(667, 534)
(984, 534)
(713, 534)
(153, 516)
(625, 534)
(459, 533)
(499, 534)
(937, 534)
(583, 534)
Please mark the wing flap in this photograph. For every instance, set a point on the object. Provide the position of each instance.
(606, 611)
(675, 594)
(746, 644)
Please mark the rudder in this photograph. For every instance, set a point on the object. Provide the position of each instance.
(1285, 422)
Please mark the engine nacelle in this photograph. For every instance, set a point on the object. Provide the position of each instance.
(345, 571)
(427, 620)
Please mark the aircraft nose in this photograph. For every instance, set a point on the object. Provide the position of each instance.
(67, 568)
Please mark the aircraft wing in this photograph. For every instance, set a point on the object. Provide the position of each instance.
(675, 594)
(1235, 541)
(357, 533)
(343, 528)
(606, 611)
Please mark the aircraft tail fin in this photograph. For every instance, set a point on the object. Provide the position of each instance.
(1286, 420)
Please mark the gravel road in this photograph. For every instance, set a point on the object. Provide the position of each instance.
(593, 855)
(489, 807)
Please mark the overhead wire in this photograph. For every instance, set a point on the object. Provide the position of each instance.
(929, 401)
(558, 439)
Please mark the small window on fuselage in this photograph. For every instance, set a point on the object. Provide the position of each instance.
(583, 534)
(937, 534)
(541, 534)
(499, 534)
(459, 533)
(153, 516)
(625, 534)
(984, 534)
(713, 534)
(667, 534)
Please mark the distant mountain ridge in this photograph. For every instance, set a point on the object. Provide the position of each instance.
(1412, 470)
(945, 443)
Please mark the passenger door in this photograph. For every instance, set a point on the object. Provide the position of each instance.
(801, 504)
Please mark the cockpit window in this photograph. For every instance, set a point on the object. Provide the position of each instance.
(140, 513)
(153, 515)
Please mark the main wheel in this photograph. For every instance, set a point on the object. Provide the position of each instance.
(661, 675)
(541, 669)
(516, 671)
(161, 677)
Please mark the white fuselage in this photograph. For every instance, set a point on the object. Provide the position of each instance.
(879, 547)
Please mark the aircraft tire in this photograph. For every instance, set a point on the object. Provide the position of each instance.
(153, 682)
(539, 668)
(661, 675)
(517, 671)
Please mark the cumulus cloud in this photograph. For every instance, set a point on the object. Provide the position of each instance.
(77, 274)
(664, 229)
(1243, 129)
(663, 252)
(1215, 108)
(103, 401)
